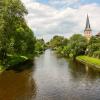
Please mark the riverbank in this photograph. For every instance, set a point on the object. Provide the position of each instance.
(14, 60)
(89, 60)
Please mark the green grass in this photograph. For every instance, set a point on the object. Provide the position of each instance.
(89, 60)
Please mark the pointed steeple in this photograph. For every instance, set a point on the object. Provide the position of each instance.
(88, 27)
(88, 31)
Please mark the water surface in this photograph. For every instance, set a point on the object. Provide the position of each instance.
(50, 78)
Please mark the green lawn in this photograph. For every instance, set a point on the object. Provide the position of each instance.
(89, 60)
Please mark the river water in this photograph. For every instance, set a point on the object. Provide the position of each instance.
(50, 78)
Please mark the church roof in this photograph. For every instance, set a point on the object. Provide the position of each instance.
(88, 27)
(98, 34)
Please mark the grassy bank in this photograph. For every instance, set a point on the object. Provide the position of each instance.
(89, 60)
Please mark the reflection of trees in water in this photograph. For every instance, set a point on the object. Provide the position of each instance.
(76, 71)
(79, 71)
(17, 86)
(92, 73)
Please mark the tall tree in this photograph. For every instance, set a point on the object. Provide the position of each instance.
(15, 35)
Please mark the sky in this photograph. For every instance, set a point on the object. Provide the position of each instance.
(61, 17)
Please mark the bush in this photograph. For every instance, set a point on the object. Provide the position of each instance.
(96, 54)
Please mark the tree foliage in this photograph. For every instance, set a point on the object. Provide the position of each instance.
(57, 41)
(73, 47)
(93, 48)
(40, 46)
(15, 36)
(76, 45)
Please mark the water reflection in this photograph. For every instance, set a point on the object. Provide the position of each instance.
(79, 70)
(61, 79)
(50, 78)
(18, 84)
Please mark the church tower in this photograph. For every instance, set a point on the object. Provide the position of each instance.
(88, 31)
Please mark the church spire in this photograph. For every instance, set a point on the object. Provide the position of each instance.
(88, 31)
(88, 27)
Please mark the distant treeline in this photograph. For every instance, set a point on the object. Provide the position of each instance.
(75, 46)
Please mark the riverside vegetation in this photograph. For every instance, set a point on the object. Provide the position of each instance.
(17, 40)
(76, 46)
(89, 60)
(18, 43)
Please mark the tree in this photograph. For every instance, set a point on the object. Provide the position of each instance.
(56, 42)
(73, 47)
(94, 46)
(39, 46)
(15, 36)
(77, 45)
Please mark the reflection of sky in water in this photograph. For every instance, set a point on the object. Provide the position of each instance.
(51, 78)
(58, 79)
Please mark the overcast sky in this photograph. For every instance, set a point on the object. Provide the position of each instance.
(61, 17)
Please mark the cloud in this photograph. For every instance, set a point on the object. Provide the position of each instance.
(62, 3)
(47, 21)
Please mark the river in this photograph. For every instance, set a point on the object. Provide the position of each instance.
(50, 78)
